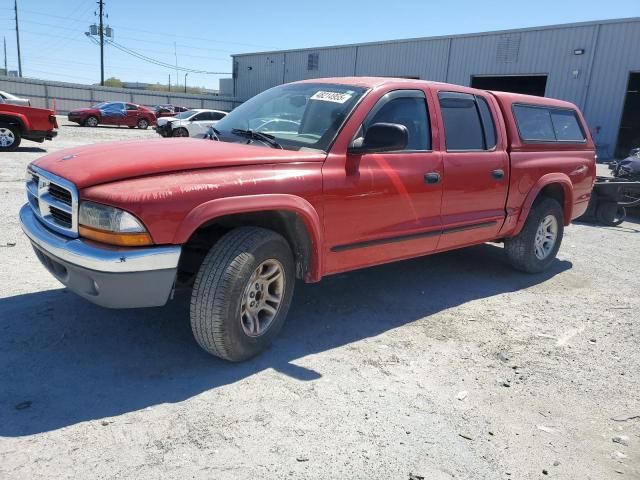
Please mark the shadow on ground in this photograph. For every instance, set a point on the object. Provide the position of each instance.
(75, 361)
(30, 149)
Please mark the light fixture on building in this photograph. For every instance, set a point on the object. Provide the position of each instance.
(578, 51)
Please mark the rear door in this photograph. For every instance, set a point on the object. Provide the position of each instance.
(476, 168)
(133, 113)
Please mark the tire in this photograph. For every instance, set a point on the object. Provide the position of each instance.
(91, 121)
(225, 284)
(143, 124)
(180, 132)
(521, 249)
(10, 137)
(611, 214)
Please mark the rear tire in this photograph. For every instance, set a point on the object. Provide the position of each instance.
(611, 214)
(10, 138)
(535, 247)
(143, 124)
(247, 266)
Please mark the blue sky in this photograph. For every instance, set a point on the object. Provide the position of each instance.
(207, 32)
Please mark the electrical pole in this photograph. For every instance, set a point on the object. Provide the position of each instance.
(101, 4)
(175, 52)
(185, 82)
(169, 82)
(15, 6)
(6, 72)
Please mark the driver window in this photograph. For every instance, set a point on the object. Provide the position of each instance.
(410, 112)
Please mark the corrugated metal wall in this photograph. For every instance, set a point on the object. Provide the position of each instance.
(596, 81)
(68, 96)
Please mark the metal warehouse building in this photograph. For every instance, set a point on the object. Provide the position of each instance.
(593, 64)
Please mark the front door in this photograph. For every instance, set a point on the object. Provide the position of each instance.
(476, 169)
(379, 206)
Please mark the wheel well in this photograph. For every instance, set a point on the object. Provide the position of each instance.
(554, 191)
(11, 120)
(286, 223)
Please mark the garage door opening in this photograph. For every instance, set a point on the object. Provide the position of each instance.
(629, 134)
(527, 84)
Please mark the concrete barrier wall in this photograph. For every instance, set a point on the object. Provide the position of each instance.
(68, 96)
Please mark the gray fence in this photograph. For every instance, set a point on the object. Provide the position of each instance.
(68, 96)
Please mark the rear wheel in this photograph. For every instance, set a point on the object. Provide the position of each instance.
(180, 132)
(143, 124)
(9, 138)
(536, 246)
(91, 121)
(611, 214)
(242, 293)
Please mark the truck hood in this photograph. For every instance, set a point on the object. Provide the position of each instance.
(91, 165)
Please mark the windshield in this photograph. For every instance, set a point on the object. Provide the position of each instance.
(297, 115)
(183, 115)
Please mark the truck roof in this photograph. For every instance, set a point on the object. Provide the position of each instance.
(506, 98)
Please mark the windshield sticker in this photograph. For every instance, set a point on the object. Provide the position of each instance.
(335, 97)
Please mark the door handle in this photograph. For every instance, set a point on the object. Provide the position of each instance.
(498, 174)
(432, 178)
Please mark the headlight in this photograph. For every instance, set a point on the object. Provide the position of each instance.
(111, 225)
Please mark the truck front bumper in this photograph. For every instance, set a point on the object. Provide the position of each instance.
(112, 277)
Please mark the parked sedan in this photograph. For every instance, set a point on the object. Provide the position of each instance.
(114, 113)
(193, 123)
(13, 100)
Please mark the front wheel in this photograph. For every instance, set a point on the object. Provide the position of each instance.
(180, 132)
(91, 121)
(536, 246)
(242, 293)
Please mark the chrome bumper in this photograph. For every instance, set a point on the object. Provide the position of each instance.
(113, 277)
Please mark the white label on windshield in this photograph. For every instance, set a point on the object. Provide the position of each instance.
(336, 97)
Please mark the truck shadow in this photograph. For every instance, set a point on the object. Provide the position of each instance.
(65, 361)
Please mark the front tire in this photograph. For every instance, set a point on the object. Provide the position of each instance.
(242, 293)
(180, 132)
(91, 121)
(9, 138)
(536, 246)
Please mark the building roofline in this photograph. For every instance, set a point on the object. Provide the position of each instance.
(445, 37)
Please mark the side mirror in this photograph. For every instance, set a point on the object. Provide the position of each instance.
(381, 137)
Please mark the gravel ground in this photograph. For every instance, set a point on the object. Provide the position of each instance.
(446, 366)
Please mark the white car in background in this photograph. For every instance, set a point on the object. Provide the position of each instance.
(192, 123)
(13, 100)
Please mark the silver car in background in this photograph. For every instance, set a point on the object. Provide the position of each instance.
(12, 99)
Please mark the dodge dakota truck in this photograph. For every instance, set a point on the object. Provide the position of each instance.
(305, 180)
(18, 122)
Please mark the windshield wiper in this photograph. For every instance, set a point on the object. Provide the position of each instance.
(263, 137)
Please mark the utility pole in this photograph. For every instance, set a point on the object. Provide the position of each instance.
(185, 82)
(6, 72)
(15, 6)
(101, 5)
(175, 52)
(169, 82)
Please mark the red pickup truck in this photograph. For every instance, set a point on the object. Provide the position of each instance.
(18, 122)
(302, 181)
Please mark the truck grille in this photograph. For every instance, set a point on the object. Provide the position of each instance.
(54, 200)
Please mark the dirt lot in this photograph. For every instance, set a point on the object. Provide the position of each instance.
(450, 366)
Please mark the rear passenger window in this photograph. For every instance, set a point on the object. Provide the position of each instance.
(487, 122)
(543, 124)
(410, 112)
(462, 125)
(218, 115)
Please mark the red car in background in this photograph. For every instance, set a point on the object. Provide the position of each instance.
(114, 113)
(168, 110)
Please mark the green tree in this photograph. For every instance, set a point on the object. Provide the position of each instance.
(113, 82)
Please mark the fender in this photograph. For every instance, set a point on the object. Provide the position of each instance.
(22, 120)
(548, 179)
(213, 209)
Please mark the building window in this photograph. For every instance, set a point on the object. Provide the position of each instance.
(312, 61)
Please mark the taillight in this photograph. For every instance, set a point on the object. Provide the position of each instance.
(53, 120)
